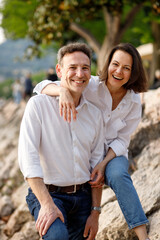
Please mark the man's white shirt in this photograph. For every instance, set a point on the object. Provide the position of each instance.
(61, 153)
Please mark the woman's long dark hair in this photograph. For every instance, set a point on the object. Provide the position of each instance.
(138, 81)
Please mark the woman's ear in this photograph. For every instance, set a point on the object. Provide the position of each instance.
(58, 70)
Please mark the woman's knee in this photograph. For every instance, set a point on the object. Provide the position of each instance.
(116, 171)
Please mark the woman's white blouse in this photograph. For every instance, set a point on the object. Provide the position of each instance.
(119, 123)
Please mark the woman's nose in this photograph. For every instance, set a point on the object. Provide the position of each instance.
(119, 70)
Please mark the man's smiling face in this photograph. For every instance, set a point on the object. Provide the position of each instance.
(75, 71)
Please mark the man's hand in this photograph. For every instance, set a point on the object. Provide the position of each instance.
(66, 105)
(47, 215)
(91, 227)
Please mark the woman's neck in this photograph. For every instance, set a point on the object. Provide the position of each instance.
(117, 95)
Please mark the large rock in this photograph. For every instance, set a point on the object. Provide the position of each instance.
(148, 188)
(144, 151)
(6, 206)
(20, 216)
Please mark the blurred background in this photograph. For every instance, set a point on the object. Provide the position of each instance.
(33, 30)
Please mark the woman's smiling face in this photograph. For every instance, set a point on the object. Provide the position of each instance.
(119, 70)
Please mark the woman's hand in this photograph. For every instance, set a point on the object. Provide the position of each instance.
(97, 176)
(66, 105)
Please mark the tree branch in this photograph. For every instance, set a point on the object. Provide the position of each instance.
(94, 44)
(112, 24)
(128, 20)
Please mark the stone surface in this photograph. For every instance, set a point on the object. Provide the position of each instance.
(6, 206)
(16, 223)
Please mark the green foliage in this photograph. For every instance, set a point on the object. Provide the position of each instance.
(52, 19)
(16, 16)
(48, 21)
(140, 30)
(6, 89)
(38, 77)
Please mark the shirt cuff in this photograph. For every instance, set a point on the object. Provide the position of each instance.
(118, 148)
(32, 172)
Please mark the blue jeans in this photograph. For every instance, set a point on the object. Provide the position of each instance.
(118, 178)
(75, 207)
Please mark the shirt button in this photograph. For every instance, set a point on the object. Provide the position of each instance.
(108, 115)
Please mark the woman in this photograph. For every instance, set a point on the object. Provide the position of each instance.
(115, 92)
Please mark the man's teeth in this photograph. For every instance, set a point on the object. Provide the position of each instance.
(79, 81)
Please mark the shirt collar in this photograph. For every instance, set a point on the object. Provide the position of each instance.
(83, 101)
(130, 95)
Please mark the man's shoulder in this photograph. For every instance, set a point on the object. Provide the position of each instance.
(94, 109)
(41, 99)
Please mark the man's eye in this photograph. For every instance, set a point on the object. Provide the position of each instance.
(72, 68)
(85, 68)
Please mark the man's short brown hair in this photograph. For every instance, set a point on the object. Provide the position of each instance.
(73, 47)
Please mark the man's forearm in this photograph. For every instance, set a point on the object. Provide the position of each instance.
(39, 189)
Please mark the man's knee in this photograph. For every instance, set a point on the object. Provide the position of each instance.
(57, 231)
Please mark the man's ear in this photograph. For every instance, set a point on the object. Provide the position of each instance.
(58, 70)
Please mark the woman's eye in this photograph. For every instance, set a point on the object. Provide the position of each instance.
(126, 68)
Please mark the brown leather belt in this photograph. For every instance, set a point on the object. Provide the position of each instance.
(66, 189)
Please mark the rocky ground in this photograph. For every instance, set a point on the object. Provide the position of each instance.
(17, 224)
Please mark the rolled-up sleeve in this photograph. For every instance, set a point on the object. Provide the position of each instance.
(41, 85)
(97, 152)
(121, 143)
(29, 142)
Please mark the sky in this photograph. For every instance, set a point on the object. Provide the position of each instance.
(2, 38)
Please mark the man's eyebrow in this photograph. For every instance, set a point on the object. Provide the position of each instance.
(72, 64)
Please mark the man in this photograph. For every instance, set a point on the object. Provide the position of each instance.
(56, 157)
(51, 75)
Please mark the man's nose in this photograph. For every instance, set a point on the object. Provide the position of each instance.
(80, 72)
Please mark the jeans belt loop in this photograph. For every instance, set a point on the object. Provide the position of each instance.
(58, 189)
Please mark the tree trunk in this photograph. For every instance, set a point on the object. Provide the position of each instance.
(155, 64)
(114, 32)
(110, 40)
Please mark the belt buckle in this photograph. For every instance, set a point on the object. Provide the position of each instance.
(74, 191)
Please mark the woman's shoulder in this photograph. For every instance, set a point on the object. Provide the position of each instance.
(134, 97)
